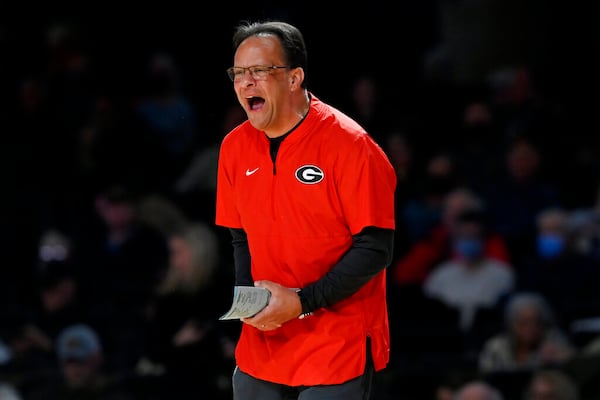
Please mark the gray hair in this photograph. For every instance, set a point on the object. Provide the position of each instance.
(519, 301)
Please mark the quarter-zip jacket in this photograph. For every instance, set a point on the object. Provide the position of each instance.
(332, 181)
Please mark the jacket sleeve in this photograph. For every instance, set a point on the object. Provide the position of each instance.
(371, 252)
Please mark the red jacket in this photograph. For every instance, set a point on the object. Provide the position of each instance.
(330, 181)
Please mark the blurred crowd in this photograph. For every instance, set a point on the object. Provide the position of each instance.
(114, 273)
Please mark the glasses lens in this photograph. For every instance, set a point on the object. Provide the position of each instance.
(259, 72)
(233, 73)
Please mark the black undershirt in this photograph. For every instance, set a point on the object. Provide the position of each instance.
(275, 142)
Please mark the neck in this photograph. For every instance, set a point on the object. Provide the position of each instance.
(300, 109)
(305, 105)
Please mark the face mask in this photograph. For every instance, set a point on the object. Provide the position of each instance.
(550, 245)
(469, 248)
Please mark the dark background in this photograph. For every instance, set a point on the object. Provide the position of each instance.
(429, 57)
(556, 40)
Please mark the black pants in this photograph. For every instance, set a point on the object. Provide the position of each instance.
(246, 387)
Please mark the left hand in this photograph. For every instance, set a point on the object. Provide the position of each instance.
(284, 305)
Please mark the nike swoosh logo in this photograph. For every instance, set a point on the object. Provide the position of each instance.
(248, 172)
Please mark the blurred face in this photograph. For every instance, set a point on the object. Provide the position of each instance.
(527, 326)
(553, 223)
(58, 296)
(399, 151)
(454, 204)
(477, 113)
(475, 392)
(365, 92)
(523, 161)
(180, 255)
(541, 389)
(440, 165)
(444, 393)
(79, 373)
(116, 214)
(267, 101)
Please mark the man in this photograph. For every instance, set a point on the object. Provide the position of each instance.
(309, 199)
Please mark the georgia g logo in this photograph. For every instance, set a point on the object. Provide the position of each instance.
(309, 174)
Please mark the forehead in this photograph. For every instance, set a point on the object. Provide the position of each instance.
(259, 50)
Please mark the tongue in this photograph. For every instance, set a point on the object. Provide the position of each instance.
(257, 104)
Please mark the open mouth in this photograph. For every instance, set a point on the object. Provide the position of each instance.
(255, 103)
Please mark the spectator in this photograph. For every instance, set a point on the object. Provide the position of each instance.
(424, 208)
(516, 197)
(168, 119)
(399, 150)
(566, 278)
(50, 304)
(412, 268)
(122, 259)
(368, 107)
(530, 339)
(551, 385)
(476, 142)
(58, 300)
(452, 380)
(585, 225)
(81, 376)
(471, 280)
(185, 338)
(107, 146)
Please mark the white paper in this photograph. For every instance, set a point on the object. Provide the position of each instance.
(247, 302)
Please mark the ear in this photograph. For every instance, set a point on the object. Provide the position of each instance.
(296, 77)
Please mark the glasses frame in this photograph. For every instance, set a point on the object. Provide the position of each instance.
(255, 71)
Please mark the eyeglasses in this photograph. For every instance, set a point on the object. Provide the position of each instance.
(258, 72)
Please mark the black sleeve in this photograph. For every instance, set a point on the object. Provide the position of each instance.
(241, 258)
(371, 252)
